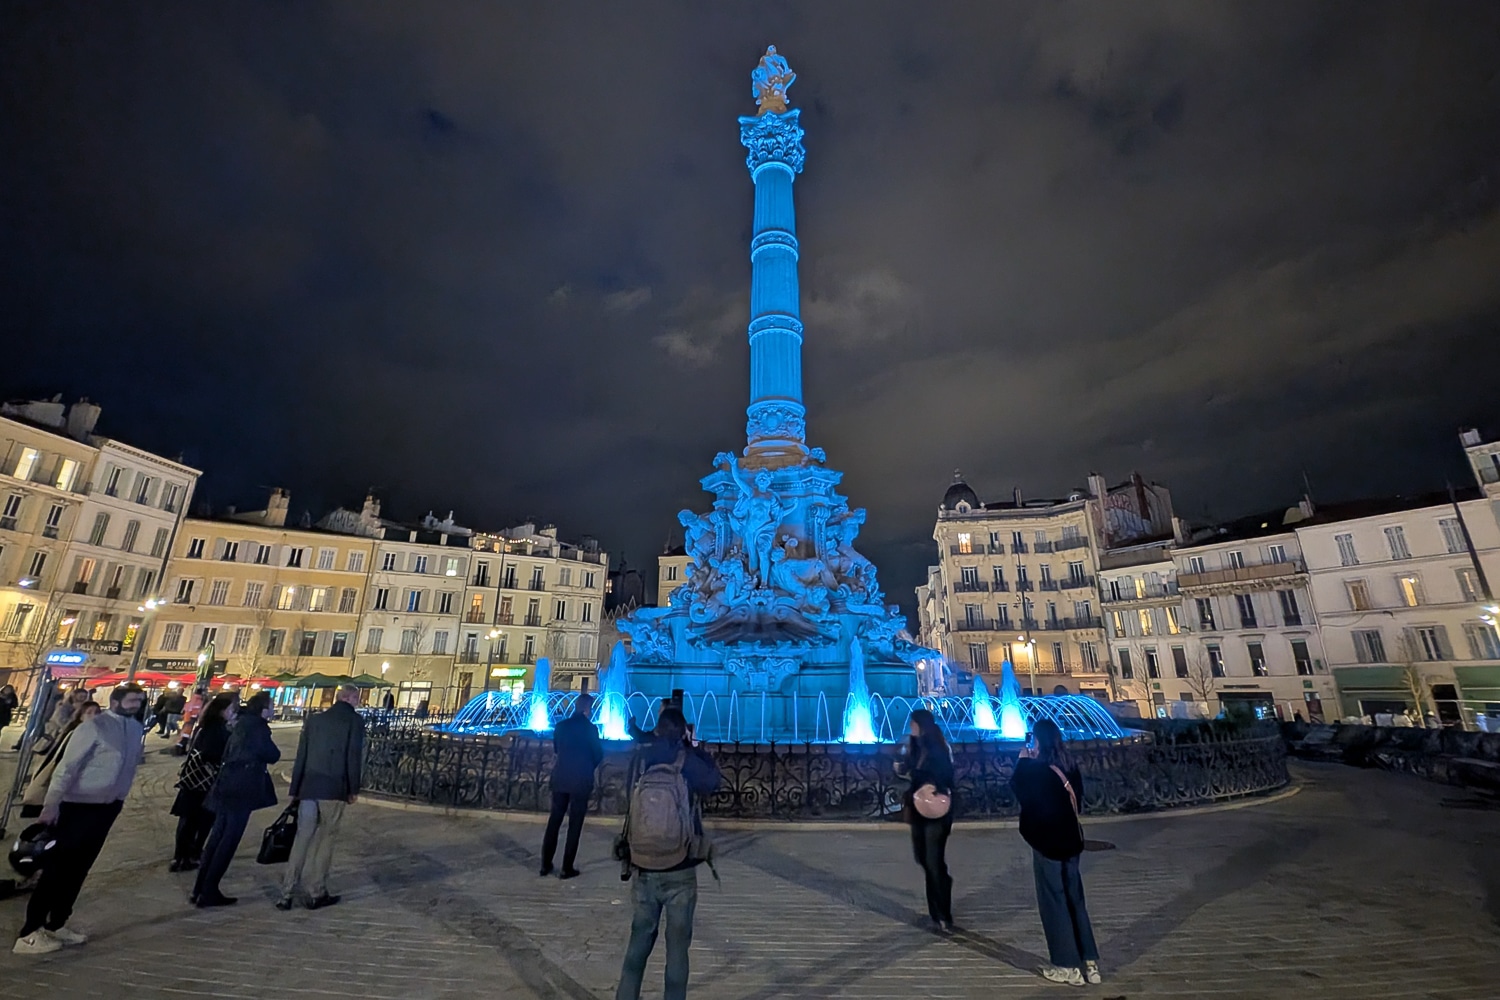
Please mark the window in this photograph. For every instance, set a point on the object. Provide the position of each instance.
(356, 562)
(1021, 578)
(67, 471)
(1076, 575)
(15, 624)
(231, 552)
(307, 644)
(1083, 611)
(112, 482)
(537, 578)
(171, 637)
(101, 525)
(1396, 539)
(388, 564)
(439, 643)
(671, 574)
(1411, 590)
(1347, 555)
(1195, 564)
(218, 593)
(132, 630)
(1431, 643)
(1153, 662)
(1174, 625)
(1002, 616)
(294, 558)
(1114, 590)
(560, 611)
(373, 638)
(1235, 560)
(1257, 656)
(509, 582)
(53, 526)
(1359, 595)
(242, 637)
(13, 511)
(254, 591)
(588, 580)
(1052, 614)
(1291, 614)
(169, 498)
(1017, 542)
(26, 463)
(482, 573)
(445, 603)
(1127, 669)
(326, 558)
(973, 616)
(348, 598)
(195, 548)
(565, 577)
(1057, 657)
(969, 577)
(414, 600)
(1276, 553)
(1147, 625)
(284, 598)
(1205, 613)
(965, 543)
(86, 569)
(143, 488)
(1246, 605)
(207, 636)
(1369, 646)
(979, 657)
(1046, 576)
(101, 626)
(588, 613)
(994, 541)
(419, 564)
(382, 598)
(1215, 660)
(38, 563)
(184, 592)
(263, 555)
(1302, 657)
(999, 577)
(1453, 535)
(1468, 586)
(339, 644)
(275, 640)
(408, 641)
(317, 599)
(144, 581)
(1483, 644)
(585, 647)
(1179, 661)
(450, 566)
(1134, 586)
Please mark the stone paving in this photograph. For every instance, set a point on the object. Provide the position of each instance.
(1364, 885)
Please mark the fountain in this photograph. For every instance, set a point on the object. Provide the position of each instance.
(614, 694)
(981, 708)
(1012, 721)
(539, 720)
(859, 721)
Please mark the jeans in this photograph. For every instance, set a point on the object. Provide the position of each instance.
(929, 845)
(312, 852)
(575, 806)
(82, 828)
(1065, 919)
(650, 894)
(192, 831)
(223, 841)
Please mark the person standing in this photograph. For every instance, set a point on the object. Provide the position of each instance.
(243, 786)
(35, 797)
(176, 703)
(325, 778)
(8, 704)
(929, 761)
(195, 778)
(1049, 787)
(87, 790)
(673, 770)
(579, 753)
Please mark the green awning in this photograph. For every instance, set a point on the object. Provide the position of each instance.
(1373, 678)
(317, 681)
(368, 681)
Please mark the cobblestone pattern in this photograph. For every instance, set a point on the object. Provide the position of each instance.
(1365, 885)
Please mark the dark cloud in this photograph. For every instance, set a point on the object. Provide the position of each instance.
(494, 259)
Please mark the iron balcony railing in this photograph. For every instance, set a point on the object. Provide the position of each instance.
(1023, 585)
(474, 617)
(1043, 546)
(971, 587)
(533, 620)
(1074, 582)
(1241, 574)
(1000, 586)
(1065, 543)
(1047, 585)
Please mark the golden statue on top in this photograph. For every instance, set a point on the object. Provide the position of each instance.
(769, 80)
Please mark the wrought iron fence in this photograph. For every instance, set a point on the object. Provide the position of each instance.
(810, 781)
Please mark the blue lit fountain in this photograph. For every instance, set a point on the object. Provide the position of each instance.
(539, 717)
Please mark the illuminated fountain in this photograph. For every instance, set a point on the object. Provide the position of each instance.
(1012, 721)
(539, 718)
(614, 694)
(982, 708)
(859, 721)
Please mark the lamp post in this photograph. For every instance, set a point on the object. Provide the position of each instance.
(489, 669)
(142, 635)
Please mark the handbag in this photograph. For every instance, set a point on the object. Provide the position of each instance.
(197, 773)
(931, 803)
(1073, 798)
(276, 842)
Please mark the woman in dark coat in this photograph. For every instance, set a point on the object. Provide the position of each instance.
(205, 757)
(1049, 787)
(930, 762)
(243, 786)
(8, 704)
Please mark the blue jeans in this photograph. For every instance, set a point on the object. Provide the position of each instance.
(650, 894)
(1065, 919)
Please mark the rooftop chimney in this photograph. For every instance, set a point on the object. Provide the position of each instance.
(82, 416)
(277, 507)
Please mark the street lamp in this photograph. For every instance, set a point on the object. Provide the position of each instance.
(489, 669)
(149, 610)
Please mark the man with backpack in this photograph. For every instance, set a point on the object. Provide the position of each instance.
(662, 844)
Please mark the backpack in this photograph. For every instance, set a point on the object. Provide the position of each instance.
(661, 827)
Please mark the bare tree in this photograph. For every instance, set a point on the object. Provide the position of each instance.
(1202, 680)
(294, 647)
(1411, 675)
(37, 636)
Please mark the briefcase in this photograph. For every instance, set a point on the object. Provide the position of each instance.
(276, 842)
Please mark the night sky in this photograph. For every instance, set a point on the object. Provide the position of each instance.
(495, 260)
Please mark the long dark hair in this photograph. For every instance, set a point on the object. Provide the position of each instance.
(213, 714)
(671, 724)
(258, 703)
(929, 742)
(1050, 749)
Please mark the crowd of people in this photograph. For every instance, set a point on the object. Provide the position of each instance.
(89, 762)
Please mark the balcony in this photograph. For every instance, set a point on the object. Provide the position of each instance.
(533, 621)
(1240, 574)
(966, 550)
(469, 656)
(474, 616)
(1000, 587)
(8, 523)
(1064, 624)
(528, 657)
(1019, 548)
(971, 587)
(81, 587)
(537, 585)
(112, 594)
(995, 549)
(505, 618)
(1048, 585)
(1022, 586)
(1044, 546)
(49, 531)
(978, 625)
(1074, 582)
(481, 580)
(1064, 544)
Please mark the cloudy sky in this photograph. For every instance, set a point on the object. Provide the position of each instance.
(493, 258)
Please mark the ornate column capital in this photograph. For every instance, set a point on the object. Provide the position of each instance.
(773, 139)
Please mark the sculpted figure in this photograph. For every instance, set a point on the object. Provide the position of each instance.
(698, 536)
(806, 581)
(756, 515)
(853, 570)
(769, 80)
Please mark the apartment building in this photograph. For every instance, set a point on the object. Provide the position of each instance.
(1143, 625)
(671, 573)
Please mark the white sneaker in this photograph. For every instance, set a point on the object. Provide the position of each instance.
(1091, 973)
(39, 942)
(1058, 974)
(68, 938)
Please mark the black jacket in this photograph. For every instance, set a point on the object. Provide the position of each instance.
(920, 768)
(699, 770)
(1048, 822)
(211, 740)
(244, 783)
(330, 754)
(579, 754)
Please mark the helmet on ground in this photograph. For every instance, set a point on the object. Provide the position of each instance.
(29, 852)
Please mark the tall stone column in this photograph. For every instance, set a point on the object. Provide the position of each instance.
(775, 428)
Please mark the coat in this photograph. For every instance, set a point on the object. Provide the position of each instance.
(579, 754)
(244, 783)
(211, 742)
(330, 755)
(1048, 822)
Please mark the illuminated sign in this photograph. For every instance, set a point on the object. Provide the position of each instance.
(67, 658)
(508, 672)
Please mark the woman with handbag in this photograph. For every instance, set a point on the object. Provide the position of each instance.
(243, 785)
(929, 811)
(1049, 787)
(196, 777)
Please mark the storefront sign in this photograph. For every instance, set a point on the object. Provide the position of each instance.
(508, 672)
(108, 647)
(67, 657)
(173, 666)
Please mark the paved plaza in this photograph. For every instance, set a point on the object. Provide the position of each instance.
(1362, 885)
